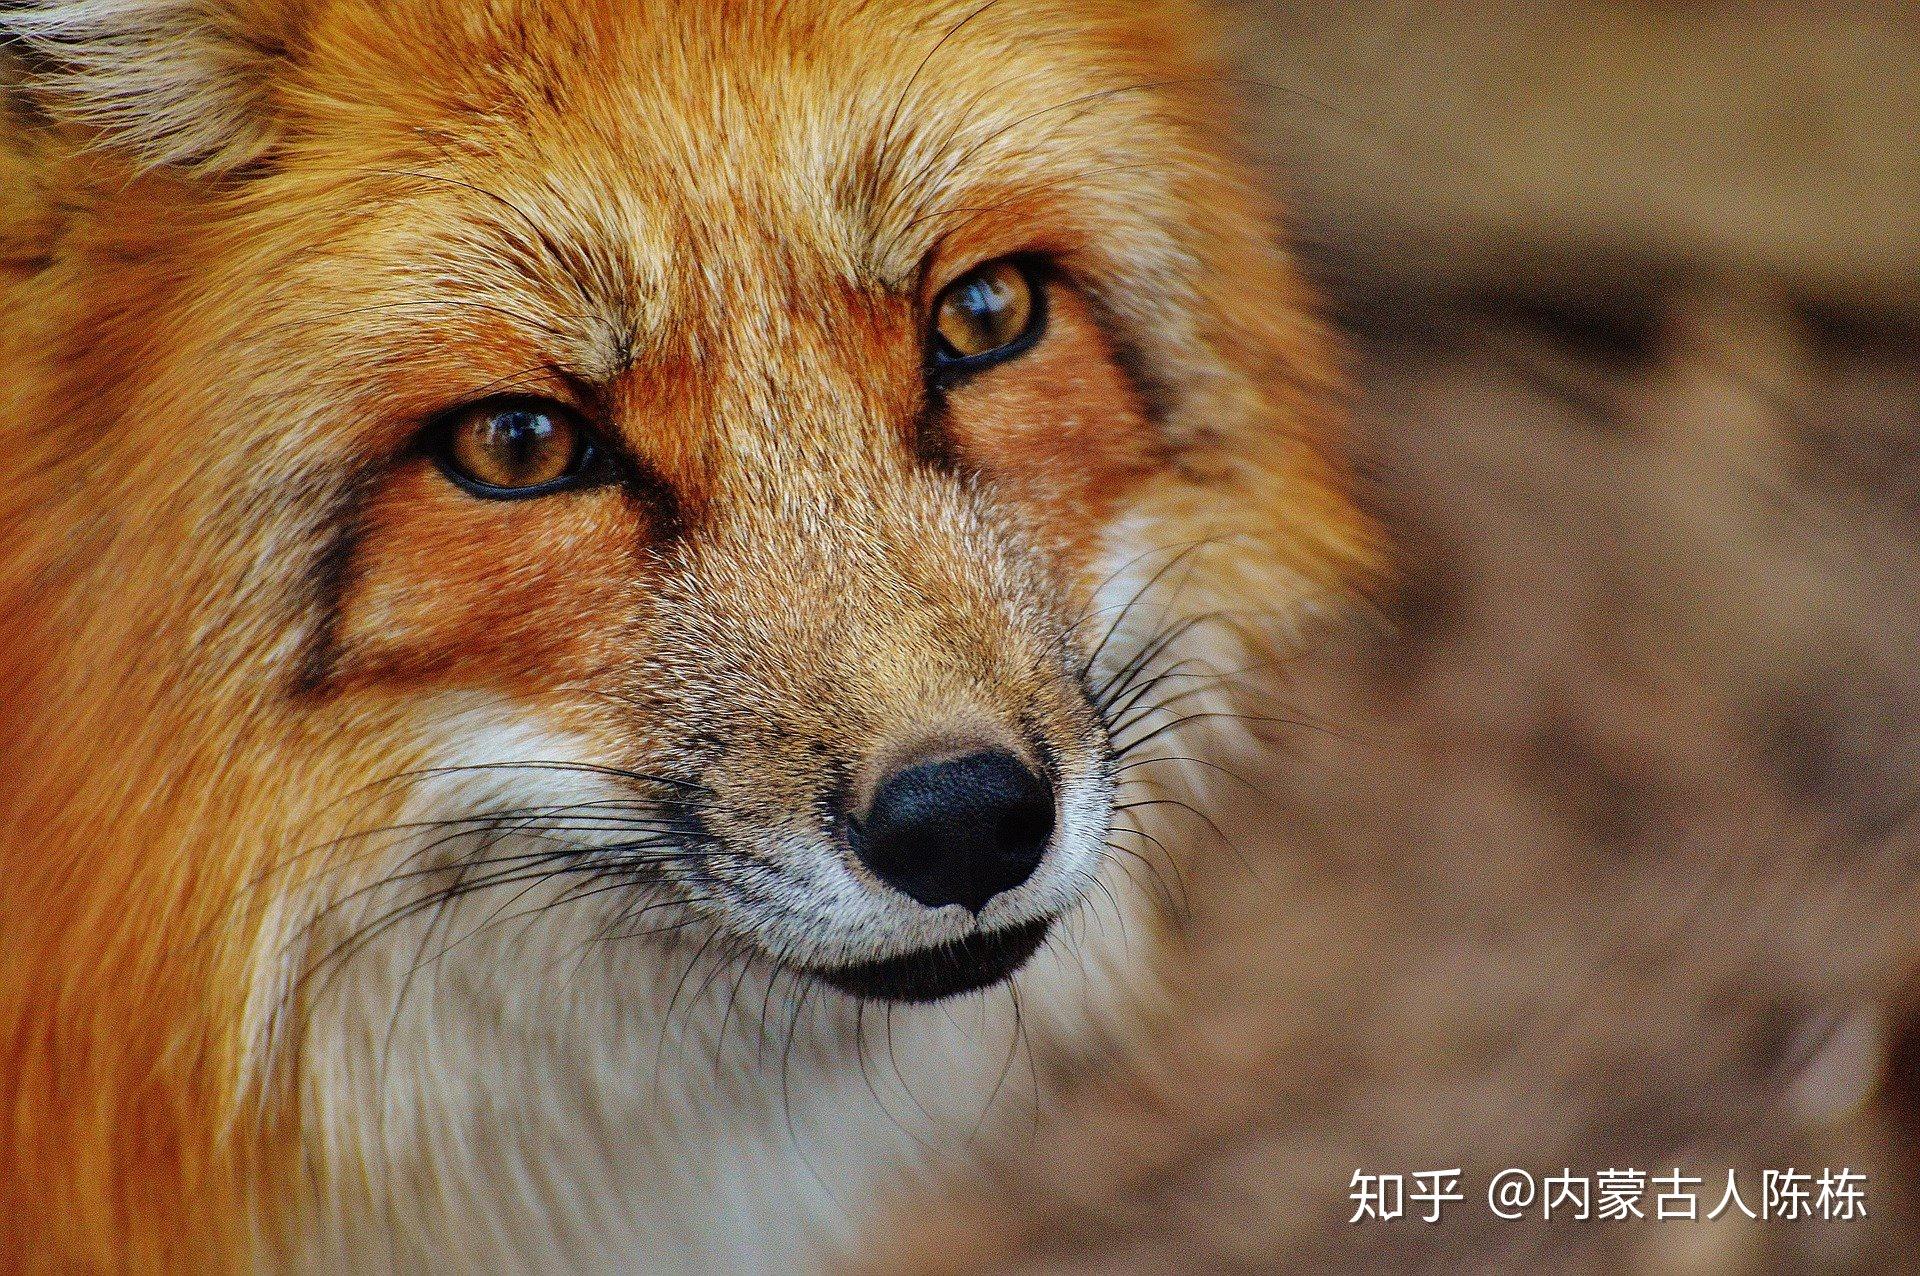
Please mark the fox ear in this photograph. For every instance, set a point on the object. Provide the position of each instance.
(181, 82)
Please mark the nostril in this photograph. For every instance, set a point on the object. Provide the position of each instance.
(958, 830)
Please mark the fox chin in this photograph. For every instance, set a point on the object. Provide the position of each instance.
(603, 599)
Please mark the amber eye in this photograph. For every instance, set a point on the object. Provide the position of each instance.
(990, 313)
(513, 447)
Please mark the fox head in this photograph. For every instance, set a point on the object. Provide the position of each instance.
(589, 482)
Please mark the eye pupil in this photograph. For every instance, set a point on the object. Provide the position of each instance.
(985, 311)
(513, 448)
(519, 437)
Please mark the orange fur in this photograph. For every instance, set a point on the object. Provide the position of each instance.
(230, 584)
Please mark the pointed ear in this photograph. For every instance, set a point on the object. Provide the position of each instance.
(183, 82)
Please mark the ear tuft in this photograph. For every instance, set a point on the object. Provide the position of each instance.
(184, 82)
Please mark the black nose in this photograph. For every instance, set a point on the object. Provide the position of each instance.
(958, 830)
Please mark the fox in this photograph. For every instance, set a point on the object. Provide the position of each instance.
(609, 604)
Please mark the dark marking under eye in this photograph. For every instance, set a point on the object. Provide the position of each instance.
(932, 437)
(343, 524)
(667, 513)
(1152, 393)
(327, 579)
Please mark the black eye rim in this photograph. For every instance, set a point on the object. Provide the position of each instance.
(590, 467)
(945, 368)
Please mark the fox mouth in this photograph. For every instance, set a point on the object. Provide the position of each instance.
(947, 970)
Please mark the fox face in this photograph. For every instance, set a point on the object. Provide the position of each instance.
(507, 490)
(834, 656)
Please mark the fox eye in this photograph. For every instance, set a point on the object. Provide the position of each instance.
(992, 312)
(503, 449)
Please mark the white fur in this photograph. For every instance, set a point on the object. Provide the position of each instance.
(502, 1094)
(167, 78)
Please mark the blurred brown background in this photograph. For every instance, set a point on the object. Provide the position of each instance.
(1602, 853)
(1446, 144)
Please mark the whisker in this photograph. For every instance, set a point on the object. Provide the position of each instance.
(1126, 611)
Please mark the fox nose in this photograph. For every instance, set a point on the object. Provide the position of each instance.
(958, 830)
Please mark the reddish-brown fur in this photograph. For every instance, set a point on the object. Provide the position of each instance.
(230, 583)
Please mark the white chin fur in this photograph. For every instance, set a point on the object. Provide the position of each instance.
(498, 1086)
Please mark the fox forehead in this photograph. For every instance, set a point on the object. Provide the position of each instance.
(622, 178)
